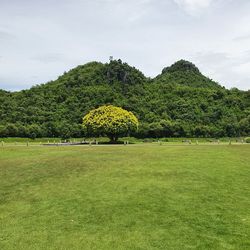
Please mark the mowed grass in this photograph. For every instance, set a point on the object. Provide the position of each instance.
(125, 197)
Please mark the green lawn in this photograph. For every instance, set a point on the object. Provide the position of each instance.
(125, 197)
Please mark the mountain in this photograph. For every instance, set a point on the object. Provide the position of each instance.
(186, 73)
(178, 102)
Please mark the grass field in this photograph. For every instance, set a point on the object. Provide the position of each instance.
(173, 140)
(125, 197)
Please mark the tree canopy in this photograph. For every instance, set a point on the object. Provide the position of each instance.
(110, 121)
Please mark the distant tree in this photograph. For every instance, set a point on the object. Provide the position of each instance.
(66, 130)
(110, 121)
(3, 132)
(143, 130)
(201, 131)
(167, 126)
(11, 130)
(155, 130)
(22, 130)
(244, 125)
(34, 131)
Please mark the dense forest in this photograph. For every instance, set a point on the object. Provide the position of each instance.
(178, 102)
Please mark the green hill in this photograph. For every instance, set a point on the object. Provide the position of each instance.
(186, 73)
(178, 102)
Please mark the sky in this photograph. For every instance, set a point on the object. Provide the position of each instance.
(40, 39)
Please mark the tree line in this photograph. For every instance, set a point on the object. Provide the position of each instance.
(178, 102)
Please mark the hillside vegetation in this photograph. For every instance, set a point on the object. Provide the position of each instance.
(178, 102)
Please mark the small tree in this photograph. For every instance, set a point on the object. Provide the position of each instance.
(110, 121)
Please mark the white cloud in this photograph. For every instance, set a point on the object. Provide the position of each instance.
(43, 39)
(193, 7)
(228, 69)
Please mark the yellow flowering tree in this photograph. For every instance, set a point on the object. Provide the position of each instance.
(110, 121)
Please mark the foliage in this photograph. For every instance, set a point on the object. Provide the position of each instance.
(181, 65)
(179, 102)
(247, 140)
(110, 121)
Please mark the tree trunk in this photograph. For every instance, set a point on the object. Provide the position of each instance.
(113, 139)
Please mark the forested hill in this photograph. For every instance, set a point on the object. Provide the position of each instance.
(178, 102)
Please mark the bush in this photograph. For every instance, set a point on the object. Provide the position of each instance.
(247, 140)
(164, 140)
(150, 140)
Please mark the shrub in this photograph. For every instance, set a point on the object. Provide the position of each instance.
(247, 140)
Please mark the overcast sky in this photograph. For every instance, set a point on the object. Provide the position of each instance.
(40, 39)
